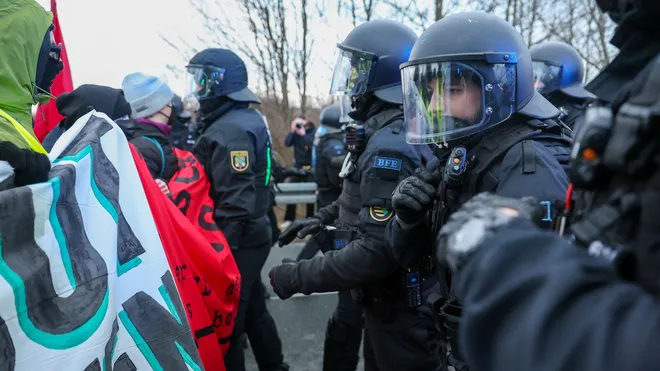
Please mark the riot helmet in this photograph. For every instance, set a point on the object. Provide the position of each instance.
(368, 61)
(331, 116)
(558, 67)
(216, 72)
(467, 73)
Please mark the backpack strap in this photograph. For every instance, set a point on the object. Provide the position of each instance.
(162, 154)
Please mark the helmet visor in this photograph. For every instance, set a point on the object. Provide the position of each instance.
(547, 77)
(352, 72)
(444, 101)
(345, 104)
(203, 81)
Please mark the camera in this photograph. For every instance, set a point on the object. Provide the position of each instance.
(299, 125)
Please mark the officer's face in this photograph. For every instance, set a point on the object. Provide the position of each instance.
(461, 99)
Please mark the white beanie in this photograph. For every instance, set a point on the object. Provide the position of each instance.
(146, 94)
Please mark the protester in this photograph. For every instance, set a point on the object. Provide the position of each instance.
(29, 62)
(150, 125)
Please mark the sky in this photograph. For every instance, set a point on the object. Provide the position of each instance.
(108, 39)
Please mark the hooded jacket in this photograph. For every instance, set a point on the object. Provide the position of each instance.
(23, 25)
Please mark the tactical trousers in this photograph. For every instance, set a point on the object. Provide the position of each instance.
(343, 335)
(253, 317)
(410, 342)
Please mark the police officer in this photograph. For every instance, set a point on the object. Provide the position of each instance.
(184, 131)
(603, 307)
(344, 330)
(327, 158)
(558, 76)
(475, 102)
(399, 334)
(234, 148)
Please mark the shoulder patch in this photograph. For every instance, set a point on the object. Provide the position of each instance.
(380, 214)
(387, 163)
(240, 160)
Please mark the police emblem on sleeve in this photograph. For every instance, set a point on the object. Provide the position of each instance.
(240, 160)
(380, 214)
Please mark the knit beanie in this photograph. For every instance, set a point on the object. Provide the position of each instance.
(146, 94)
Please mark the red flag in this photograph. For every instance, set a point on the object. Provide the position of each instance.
(47, 116)
(206, 274)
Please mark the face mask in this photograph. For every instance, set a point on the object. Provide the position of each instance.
(53, 68)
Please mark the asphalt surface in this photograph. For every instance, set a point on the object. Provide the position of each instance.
(301, 320)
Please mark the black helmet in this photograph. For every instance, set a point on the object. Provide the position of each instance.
(219, 72)
(331, 116)
(557, 66)
(468, 72)
(368, 60)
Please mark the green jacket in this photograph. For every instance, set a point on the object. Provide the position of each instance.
(23, 25)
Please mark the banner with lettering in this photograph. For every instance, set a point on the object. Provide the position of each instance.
(189, 189)
(203, 265)
(84, 280)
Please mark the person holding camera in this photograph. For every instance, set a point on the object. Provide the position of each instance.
(301, 138)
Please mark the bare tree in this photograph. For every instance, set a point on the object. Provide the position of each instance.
(303, 55)
(360, 10)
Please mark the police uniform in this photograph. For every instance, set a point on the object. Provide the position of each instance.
(399, 334)
(503, 140)
(235, 149)
(399, 338)
(579, 309)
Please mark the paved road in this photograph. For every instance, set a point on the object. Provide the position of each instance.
(301, 320)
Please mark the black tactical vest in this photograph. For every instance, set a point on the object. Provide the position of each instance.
(350, 200)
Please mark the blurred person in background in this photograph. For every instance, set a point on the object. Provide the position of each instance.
(301, 138)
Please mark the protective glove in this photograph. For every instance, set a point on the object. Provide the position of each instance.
(29, 167)
(476, 221)
(282, 279)
(414, 196)
(299, 228)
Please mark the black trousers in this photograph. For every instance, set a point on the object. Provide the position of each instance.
(253, 317)
(410, 342)
(343, 335)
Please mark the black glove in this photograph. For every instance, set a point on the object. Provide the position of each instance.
(414, 196)
(299, 228)
(476, 221)
(29, 167)
(282, 279)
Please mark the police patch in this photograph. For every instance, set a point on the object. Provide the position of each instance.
(387, 163)
(240, 160)
(380, 214)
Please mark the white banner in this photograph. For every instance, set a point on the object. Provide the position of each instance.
(84, 281)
